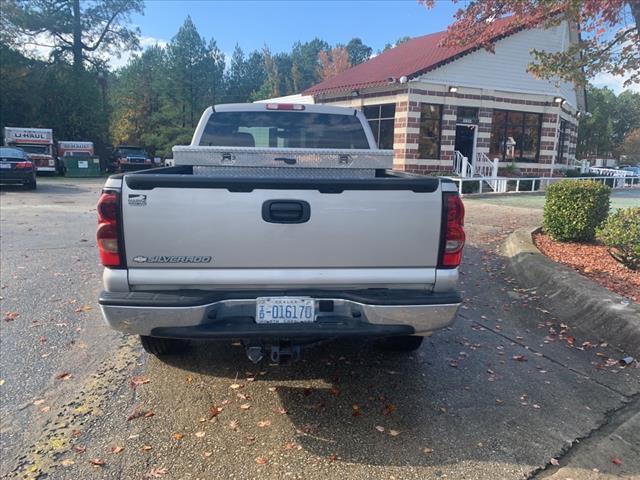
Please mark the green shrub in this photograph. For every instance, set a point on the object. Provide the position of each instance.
(621, 233)
(573, 209)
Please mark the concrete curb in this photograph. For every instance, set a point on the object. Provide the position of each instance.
(590, 310)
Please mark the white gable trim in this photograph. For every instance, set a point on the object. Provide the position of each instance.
(506, 70)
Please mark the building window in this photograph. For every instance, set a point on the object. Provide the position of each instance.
(468, 115)
(381, 119)
(515, 136)
(430, 127)
(562, 143)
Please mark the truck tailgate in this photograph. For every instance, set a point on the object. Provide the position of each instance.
(203, 233)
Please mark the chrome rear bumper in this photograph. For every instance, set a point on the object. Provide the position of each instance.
(154, 315)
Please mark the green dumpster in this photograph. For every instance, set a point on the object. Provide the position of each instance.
(82, 166)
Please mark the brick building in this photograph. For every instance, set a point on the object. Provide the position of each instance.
(428, 102)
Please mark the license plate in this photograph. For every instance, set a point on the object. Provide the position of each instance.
(52, 163)
(5, 165)
(285, 310)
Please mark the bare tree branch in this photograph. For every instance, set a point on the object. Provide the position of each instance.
(103, 34)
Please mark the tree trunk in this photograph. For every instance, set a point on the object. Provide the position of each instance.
(635, 11)
(77, 37)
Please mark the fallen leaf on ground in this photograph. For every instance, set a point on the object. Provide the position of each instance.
(138, 380)
(233, 424)
(519, 358)
(427, 450)
(281, 410)
(333, 457)
(96, 462)
(67, 462)
(145, 448)
(138, 412)
(117, 449)
(394, 433)
(63, 376)
(554, 462)
(264, 423)
(334, 391)
(207, 454)
(289, 446)
(272, 389)
(79, 449)
(380, 428)
(214, 412)
(38, 402)
(84, 308)
(235, 386)
(200, 434)
(616, 461)
(177, 436)
(262, 460)
(10, 316)
(156, 472)
(245, 406)
(388, 409)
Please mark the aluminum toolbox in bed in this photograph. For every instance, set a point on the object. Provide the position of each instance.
(283, 157)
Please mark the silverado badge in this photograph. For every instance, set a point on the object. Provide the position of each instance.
(172, 259)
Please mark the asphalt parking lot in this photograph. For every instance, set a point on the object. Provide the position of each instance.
(503, 394)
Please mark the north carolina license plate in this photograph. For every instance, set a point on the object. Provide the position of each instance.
(285, 310)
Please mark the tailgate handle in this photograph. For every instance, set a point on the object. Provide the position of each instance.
(286, 211)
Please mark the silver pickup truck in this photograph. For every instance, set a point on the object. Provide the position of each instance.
(280, 225)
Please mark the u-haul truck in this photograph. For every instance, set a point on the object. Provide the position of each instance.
(67, 148)
(37, 143)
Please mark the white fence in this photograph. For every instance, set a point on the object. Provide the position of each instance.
(534, 184)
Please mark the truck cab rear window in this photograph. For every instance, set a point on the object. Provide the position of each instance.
(284, 130)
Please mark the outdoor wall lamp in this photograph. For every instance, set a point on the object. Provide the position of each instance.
(558, 100)
(453, 89)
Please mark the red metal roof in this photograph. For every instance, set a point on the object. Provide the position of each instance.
(415, 57)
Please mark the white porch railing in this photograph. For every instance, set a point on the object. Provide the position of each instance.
(534, 184)
(461, 165)
(482, 167)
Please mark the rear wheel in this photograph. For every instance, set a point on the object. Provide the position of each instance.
(402, 343)
(162, 346)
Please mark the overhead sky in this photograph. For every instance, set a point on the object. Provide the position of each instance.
(279, 24)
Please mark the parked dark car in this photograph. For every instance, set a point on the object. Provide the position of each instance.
(16, 168)
(126, 158)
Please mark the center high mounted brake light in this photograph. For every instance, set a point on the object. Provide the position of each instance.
(285, 106)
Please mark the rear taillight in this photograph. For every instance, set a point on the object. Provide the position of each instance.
(24, 165)
(454, 231)
(107, 235)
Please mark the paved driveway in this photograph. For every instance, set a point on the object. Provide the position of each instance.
(497, 396)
